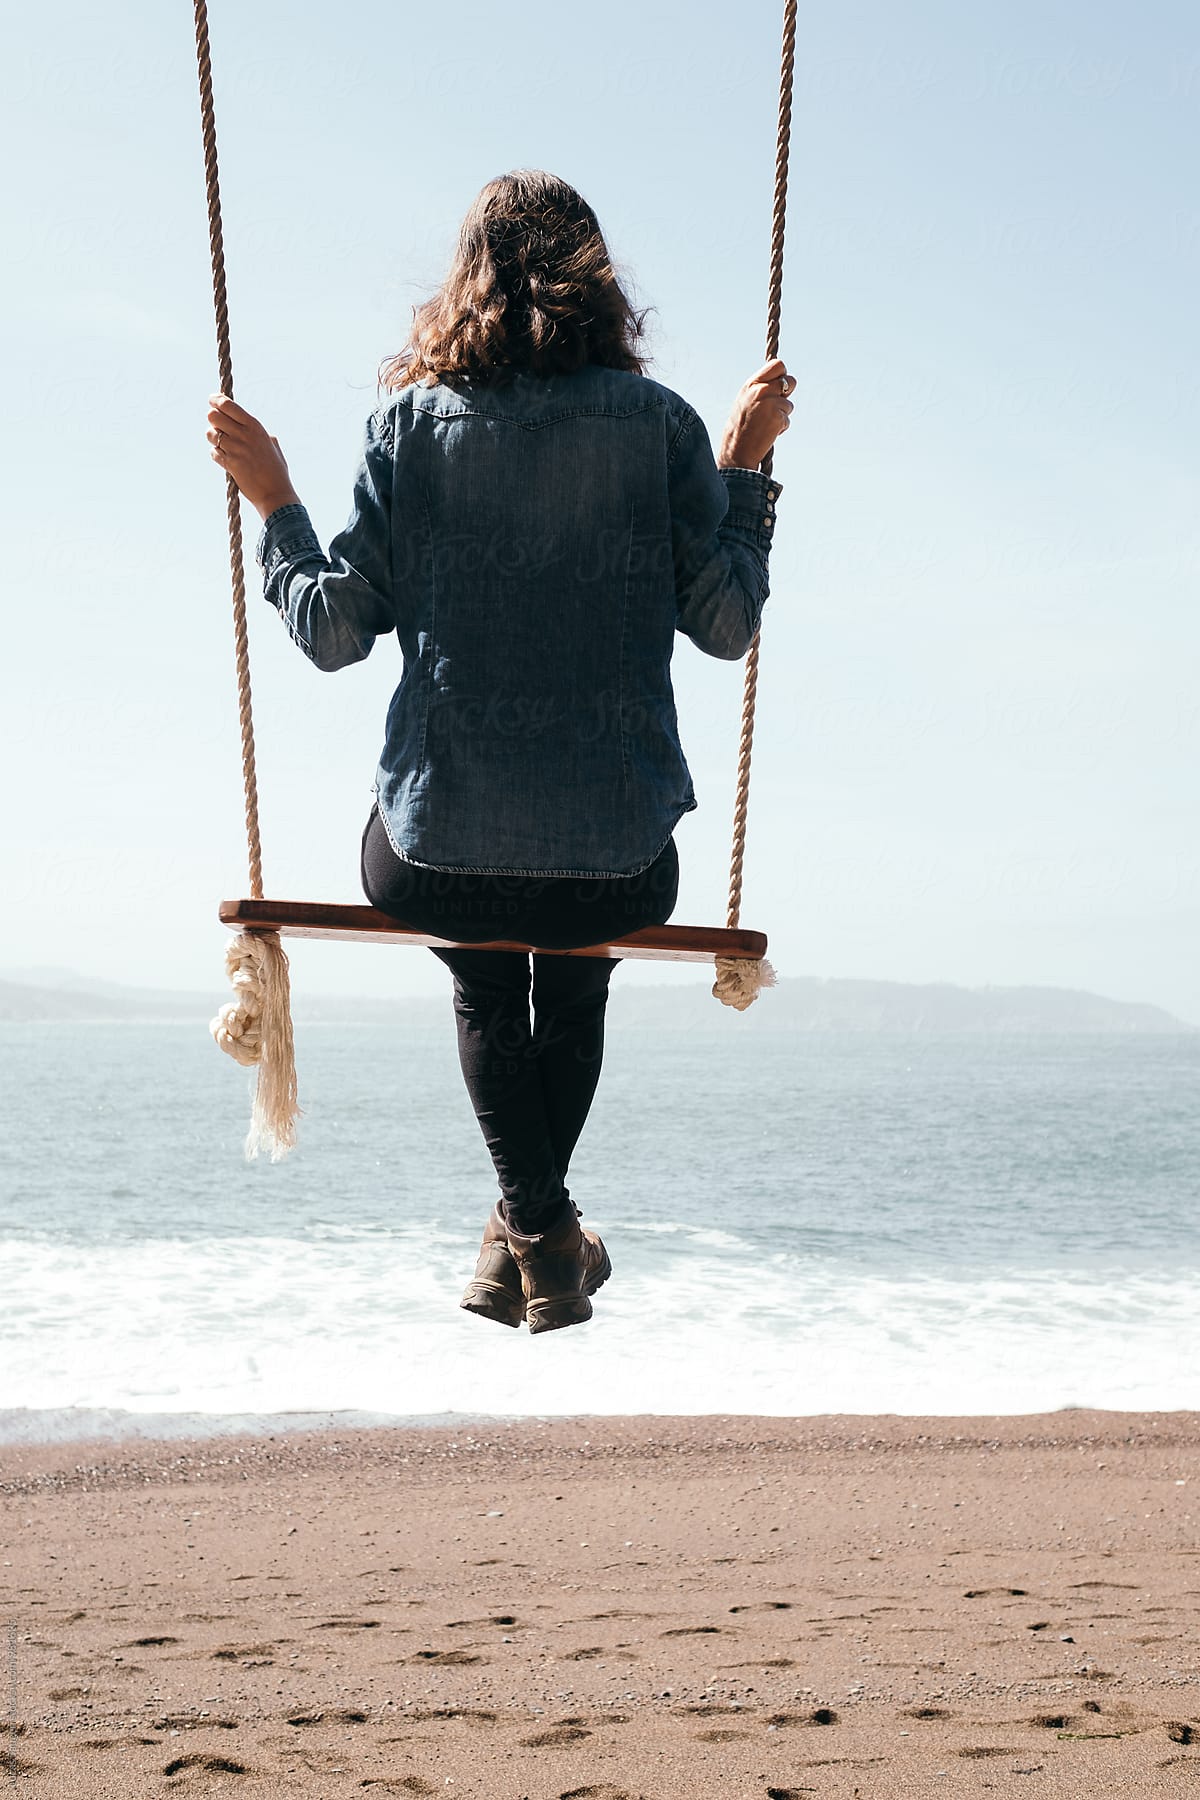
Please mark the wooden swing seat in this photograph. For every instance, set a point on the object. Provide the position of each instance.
(366, 925)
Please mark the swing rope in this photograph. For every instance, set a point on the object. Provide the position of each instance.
(237, 567)
(256, 1028)
(738, 983)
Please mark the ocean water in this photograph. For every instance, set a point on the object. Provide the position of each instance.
(798, 1224)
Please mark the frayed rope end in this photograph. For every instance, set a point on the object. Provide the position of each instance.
(739, 983)
(256, 1030)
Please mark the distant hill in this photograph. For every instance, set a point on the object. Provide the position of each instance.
(809, 1003)
(78, 1005)
(799, 1003)
(80, 1001)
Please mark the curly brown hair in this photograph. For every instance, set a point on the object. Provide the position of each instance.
(531, 287)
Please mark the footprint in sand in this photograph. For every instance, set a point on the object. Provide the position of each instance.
(778, 1662)
(584, 1655)
(1130, 1586)
(492, 1619)
(820, 1715)
(925, 1712)
(346, 1625)
(344, 1715)
(604, 1791)
(14, 1765)
(212, 1765)
(445, 1659)
(722, 1735)
(116, 1743)
(190, 1722)
(472, 1715)
(148, 1643)
(763, 1606)
(255, 1654)
(977, 1752)
(555, 1735)
(693, 1631)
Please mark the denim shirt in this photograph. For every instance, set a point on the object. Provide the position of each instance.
(534, 546)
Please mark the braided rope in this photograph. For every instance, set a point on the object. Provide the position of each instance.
(774, 308)
(237, 561)
(255, 1028)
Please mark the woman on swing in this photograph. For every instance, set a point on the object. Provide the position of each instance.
(535, 519)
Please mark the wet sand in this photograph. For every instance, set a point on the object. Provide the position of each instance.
(610, 1609)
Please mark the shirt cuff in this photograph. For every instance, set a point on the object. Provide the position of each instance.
(287, 533)
(752, 497)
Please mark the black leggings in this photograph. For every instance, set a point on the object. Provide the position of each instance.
(531, 1082)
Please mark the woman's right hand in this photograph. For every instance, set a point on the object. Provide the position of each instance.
(760, 411)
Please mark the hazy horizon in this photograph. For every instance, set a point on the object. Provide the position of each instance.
(978, 729)
(833, 1002)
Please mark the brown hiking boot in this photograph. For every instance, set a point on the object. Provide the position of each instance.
(559, 1269)
(495, 1291)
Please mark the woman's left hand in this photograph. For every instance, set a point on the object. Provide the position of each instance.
(243, 447)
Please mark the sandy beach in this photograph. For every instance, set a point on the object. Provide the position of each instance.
(610, 1608)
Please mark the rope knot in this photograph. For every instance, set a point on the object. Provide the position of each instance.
(739, 983)
(255, 1028)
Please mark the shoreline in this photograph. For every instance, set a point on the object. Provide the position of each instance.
(306, 1434)
(636, 1608)
(485, 1435)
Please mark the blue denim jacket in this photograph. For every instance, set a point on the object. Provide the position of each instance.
(535, 547)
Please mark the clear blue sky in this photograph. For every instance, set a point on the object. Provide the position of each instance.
(979, 729)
